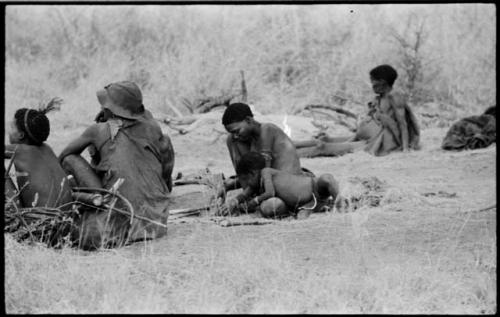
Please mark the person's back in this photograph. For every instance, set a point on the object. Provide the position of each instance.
(294, 190)
(41, 180)
(128, 144)
(281, 148)
(133, 153)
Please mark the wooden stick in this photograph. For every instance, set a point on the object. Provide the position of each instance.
(328, 107)
(232, 223)
(190, 211)
(10, 163)
(483, 209)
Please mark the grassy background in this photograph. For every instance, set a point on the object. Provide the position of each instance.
(291, 55)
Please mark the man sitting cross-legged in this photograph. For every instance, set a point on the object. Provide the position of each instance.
(128, 145)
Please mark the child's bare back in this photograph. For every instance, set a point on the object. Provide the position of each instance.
(294, 190)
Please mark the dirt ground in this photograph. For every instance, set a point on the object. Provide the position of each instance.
(429, 220)
(429, 195)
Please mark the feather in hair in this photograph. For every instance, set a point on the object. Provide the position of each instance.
(53, 105)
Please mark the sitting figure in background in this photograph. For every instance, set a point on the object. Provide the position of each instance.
(128, 145)
(247, 134)
(277, 194)
(389, 125)
(41, 181)
(472, 132)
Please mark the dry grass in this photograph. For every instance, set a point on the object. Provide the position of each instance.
(362, 269)
(410, 254)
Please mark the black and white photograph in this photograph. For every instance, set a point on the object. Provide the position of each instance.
(250, 158)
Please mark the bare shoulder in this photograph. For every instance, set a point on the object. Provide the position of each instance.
(398, 99)
(269, 128)
(21, 149)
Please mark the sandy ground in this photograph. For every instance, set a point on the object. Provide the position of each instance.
(427, 247)
(429, 195)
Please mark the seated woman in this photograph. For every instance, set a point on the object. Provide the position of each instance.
(389, 125)
(247, 134)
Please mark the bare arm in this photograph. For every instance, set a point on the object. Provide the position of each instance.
(167, 159)
(399, 109)
(267, 179)
(267, 141)
(79, 144)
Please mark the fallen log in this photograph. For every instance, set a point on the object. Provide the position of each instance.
(328, 107)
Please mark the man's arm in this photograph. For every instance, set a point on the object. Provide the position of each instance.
(167, 159)
(79, 144)
(399, 110)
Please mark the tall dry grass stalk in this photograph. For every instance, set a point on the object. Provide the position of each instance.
(291, 55)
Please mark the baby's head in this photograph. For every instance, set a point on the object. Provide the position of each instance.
(31, 126)
(249, 167)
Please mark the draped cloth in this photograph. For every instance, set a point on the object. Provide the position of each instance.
(133, 153)
(472, 132)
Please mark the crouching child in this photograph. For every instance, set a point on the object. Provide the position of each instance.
(277, 194)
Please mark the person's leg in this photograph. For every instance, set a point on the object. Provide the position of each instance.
(314, 142)
(273, 208)
(98, 229)
(331, 149)
(327, 190)
(81, 170)
(327, 186)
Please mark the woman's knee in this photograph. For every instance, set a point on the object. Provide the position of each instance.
(273, 207)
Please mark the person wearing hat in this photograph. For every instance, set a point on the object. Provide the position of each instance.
(389, 125)
(128, 144)
(246, 135)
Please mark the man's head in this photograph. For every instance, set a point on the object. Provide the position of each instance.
(238, 119)
(249, 167)
(123, 99)
(382, 78)
(29, 126)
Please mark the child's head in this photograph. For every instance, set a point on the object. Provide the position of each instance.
(237, 120)
(382, 78)
(31, 126)
(249, 167)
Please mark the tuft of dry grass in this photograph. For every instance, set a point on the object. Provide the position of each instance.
(363, 269)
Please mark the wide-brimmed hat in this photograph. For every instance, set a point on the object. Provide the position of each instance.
(123, 99)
